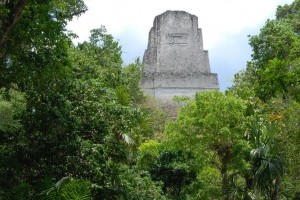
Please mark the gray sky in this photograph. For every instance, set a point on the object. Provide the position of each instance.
(225, 25)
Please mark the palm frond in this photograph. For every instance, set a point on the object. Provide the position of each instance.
(68, 189)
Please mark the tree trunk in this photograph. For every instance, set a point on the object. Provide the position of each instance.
(224, 153)
(225, 182)
(274, 192)
(3, 2)
(248, 187)
(14, 16)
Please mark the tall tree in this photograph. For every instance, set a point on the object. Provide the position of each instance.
(213, 124)
(271, 84)
(267, 168)
(33, 38)
(33, 60)
(274, 70)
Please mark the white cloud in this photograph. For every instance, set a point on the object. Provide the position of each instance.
(217, 18)
(130, 21)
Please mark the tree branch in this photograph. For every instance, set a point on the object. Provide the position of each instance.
(14, 16)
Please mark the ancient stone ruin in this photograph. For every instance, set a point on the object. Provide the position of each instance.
(175, 63)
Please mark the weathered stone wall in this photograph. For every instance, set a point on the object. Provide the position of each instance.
(174, 61)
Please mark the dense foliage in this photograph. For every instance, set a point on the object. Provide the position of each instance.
(74, 123)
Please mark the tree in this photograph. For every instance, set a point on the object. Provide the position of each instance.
(33, 58)
(176, 168)
(290, 13)
(70, 110)
(212, 125)
(275, 60)
(267, 168)
(107, 122)
(33, 46)
(274, 69)
(270, 85)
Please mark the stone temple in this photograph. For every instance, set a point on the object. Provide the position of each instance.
(175, 63)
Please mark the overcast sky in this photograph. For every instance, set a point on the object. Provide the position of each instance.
(225, 25)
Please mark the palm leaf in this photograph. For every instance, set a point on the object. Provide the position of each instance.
(68, 189)
(123, 96)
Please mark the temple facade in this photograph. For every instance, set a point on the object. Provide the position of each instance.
(175, 63)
